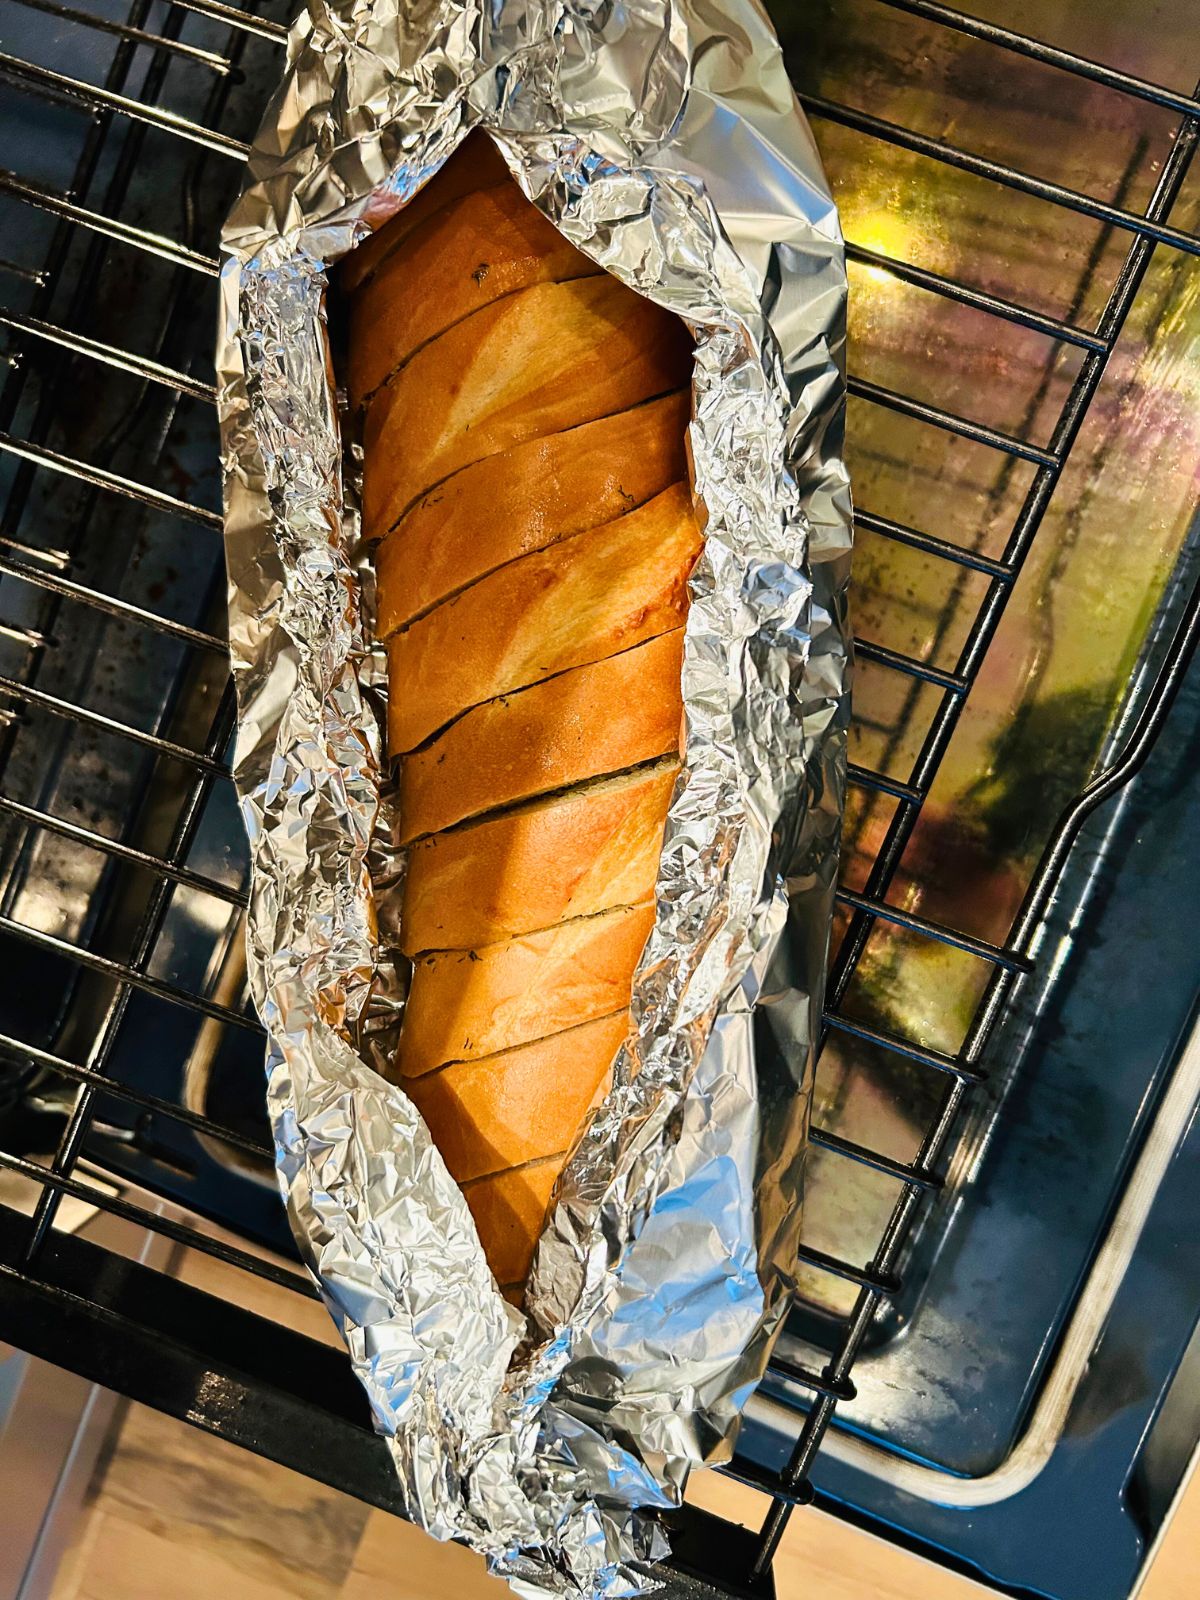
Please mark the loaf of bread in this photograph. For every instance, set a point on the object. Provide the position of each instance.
(523, 420)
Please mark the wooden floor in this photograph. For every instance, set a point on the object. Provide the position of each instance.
(177, 1515)
(174, 1514)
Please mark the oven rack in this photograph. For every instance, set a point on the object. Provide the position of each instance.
(149, 1335)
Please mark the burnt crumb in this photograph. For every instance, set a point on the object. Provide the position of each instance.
(473, 955)
(481, 272)
(629, 499)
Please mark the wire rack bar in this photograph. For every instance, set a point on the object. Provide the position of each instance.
(1144, 226)
(110, 355)
(26, 636)
(113, 605)
(230, 1254)
(952, 682)
(171, 1109)
(99, 478)
(883, 1284)
(125, 973)
(123, 30)
(58, 559)
(233, 17)
(75, 831)
(936, 1060)
(944, 549)
(766, 1482)
(1049, 55)
(58, 707)
(839, 1390)
(90, 97)
(16, 270)
(872, 908)
(948, 421)
(793, 1372)
(878, 782)
(110, 227)
(916, 1174)
(994, 305)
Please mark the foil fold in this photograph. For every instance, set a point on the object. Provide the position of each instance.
(663, 139)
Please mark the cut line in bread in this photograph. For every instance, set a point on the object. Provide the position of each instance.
(522, 1104)
(463, 1004)
(525, 499)
(509, 1209)
(589, 721)
(541, 360)
(586, 850)
(492, 244)
(583, 600)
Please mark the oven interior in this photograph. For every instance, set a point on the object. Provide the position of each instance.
(1022, 437)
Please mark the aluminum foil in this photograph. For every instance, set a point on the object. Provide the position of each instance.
(662, 139)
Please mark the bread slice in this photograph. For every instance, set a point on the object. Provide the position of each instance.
(520, 1105)
(547, 358)
(464, 1004)
(570, 856)
(587, 722)
(509, 1209)
(475, 165)
(582, 600)
(490, 244)
(526, 498)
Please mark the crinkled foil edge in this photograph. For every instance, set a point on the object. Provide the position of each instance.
(664, 140)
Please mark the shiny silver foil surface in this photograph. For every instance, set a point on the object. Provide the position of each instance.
(664, 140)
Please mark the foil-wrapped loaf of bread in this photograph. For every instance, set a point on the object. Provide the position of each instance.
(523, 419)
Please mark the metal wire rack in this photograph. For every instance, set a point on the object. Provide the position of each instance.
(100, 302)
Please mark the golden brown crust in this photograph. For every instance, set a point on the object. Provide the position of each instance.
(547, 358)
(592, 720)
(524, 499)
(571, 856)
(520, 1105)
(509, 1210)
(475, 165)
(464, 1004)
(582, 600)
(487, 246)
(524, 448)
